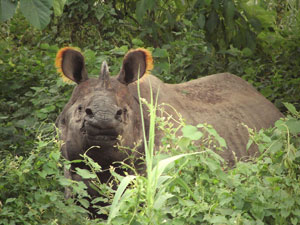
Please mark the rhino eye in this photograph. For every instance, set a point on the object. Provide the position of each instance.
(79, 108)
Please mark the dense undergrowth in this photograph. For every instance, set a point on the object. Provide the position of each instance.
(192, 187)
(199, 189)
(259, 42)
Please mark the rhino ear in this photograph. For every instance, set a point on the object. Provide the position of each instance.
(136, 63)
(70, 64)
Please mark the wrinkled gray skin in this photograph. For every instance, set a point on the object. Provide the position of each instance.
(103, 108)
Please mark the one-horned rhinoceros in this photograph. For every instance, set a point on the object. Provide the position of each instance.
(104, 108)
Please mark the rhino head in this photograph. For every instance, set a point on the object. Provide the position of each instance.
(101, 109)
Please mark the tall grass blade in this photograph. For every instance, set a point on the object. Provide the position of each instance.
(162, 165)
(115, 206)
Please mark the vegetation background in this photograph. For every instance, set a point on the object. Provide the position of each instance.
(258, 40)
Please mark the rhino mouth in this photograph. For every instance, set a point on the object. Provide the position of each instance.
(96, 135)
(101, 138)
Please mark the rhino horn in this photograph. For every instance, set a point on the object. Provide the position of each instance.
(104, 74)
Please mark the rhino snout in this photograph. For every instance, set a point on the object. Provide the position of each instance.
(106, 122)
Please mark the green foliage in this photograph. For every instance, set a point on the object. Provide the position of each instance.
(29, 90)
(32, 188)
(261, 192)
(185, 58)
(37, 12)
(199, 188)
(257, 40)
(7, 9)
(58, 6)
(88, 23)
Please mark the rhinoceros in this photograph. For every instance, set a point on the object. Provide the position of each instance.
(102, 109)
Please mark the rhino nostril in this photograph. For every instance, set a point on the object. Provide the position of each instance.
(89, 112)
(118, 114)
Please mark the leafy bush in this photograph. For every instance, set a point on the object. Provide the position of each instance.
(257, 40)
(29, 90)
(36, 12)
(261, 192)
(32, 188)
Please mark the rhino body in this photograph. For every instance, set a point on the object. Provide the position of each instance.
(101, 109)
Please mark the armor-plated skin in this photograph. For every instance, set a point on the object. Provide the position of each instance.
(101, 109)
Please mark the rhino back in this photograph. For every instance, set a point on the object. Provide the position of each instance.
(224, 101)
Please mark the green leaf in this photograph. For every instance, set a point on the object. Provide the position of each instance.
(215, 134)
(280, 124)
(265, 138)
(183, 184)
(45, 46)
(250, 142)
(216, 219)
(159, 202)
(120, 51)
(162, 165)
(291, 108)
(58, 6)
(285, 213)
(212, 164)
(267, 91)
(137, 42)
(184, 142)
(207, 2)
(294, 221)
(160, 53)
(114, 209)
(84, 202)
(7, 9)
(162, 67)
(48, 109)
(255, 24)
(201, 21)
(55, 155)
(247, 52)
(64, 181)
(85, 173)
(37, 12)
(293, 125)
(212, 22)
(229, 10)
(179, 3)
(92, 163)
(275, 147)
(99, 14)
(10, 200)
(140, 9)
(162, 179)
(191, 132)
(226, 211)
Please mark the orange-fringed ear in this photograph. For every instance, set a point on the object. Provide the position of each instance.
(70, 65)
(136, 63)
(148, 59)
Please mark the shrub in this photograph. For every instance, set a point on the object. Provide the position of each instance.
(32, 188)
